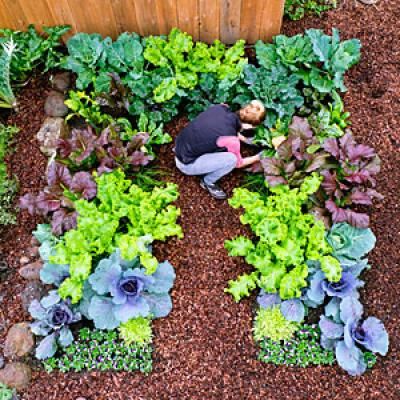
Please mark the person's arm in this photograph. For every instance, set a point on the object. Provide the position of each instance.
(249, 161)
(232, 144)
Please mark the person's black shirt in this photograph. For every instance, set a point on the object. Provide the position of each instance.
(200, 136)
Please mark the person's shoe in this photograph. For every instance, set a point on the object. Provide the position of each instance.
(214, 190)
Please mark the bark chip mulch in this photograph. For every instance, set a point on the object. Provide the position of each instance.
(204, 349)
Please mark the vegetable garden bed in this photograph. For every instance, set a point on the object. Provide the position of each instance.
(205, 348)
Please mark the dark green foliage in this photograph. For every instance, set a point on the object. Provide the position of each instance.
(101, 350)
(8, 187)
(34, 50)
(298, 9)
(303, 350)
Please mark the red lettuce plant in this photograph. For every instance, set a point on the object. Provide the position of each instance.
(352, 181)
(348, 169)
(296, 157)
(57, 198)
(104, 152)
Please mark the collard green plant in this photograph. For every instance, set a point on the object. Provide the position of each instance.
(34, 50)
(53, 318)
(94, 58)
(350, 244)
(121, 216)
(287, 239)
(291, 64)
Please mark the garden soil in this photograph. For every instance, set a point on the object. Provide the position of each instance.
(204, 349)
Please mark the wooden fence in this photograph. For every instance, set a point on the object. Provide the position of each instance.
(205, 20)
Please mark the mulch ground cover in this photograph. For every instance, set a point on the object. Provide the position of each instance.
(204, 349)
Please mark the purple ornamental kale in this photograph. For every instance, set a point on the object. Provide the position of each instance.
(320, 287)
(119, 293)
(351, 335)
(52, 320)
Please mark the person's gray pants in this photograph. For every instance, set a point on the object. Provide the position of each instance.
(212, 165)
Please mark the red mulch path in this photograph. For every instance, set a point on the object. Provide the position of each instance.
(204, 349)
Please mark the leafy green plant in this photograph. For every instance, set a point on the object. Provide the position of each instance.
(5, 392)
(94, 58)
(270, 323)
(291, 64)
(183, 61)
(298, 9)
(122, 216)
(34, 50)
(136, 330)
(103, 351)
(8, 187)
(85, 106)
(7, 98)
(287, 239)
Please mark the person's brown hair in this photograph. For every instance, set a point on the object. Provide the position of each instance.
(252, 113)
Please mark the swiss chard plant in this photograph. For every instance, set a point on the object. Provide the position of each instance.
(7, 97)
(287, 239)
(121, 216)
(34, 49)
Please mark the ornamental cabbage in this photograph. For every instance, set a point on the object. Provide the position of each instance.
(53, 317)
(121, 291)
(351, 335)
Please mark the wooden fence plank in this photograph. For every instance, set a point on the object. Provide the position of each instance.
(188, 17)
(209, 20)
(229, 20)
(93, 16)
(125, 15)
(62, 15)
(146, 17)
(36, 12)
(16, 14)
(250, 20)
(167, 16)
(272, 19)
